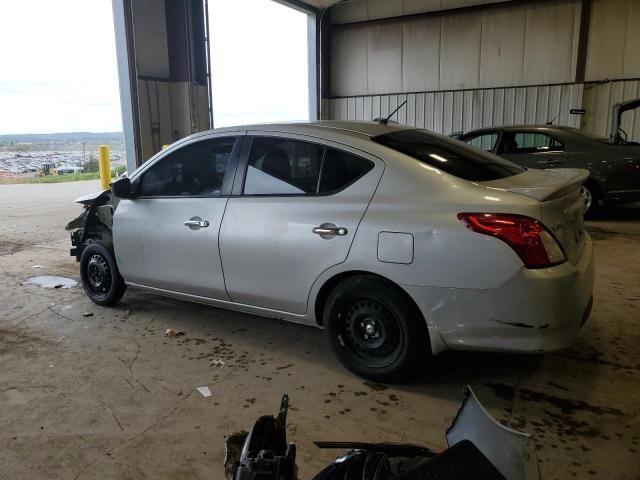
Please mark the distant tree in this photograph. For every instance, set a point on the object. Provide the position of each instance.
(91, 165)
(119, 170)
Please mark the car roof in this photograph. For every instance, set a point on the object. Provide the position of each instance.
(531, 128)
(366, 129)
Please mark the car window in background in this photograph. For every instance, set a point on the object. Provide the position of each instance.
(486, 141)
(529, 142)
(340, 169)
(280, 166)
(455, 158)
(195, 169)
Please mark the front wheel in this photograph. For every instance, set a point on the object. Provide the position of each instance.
(100, 276)
(374, 329)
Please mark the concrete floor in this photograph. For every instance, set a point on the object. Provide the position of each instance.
(109, 396)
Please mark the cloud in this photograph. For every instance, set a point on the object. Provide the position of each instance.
(58, 69)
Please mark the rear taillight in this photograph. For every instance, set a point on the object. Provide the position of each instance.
(529, 238)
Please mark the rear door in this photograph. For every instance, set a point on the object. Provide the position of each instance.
(532, 149)
(167, 237)
(296, 213)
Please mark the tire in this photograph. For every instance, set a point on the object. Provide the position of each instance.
(374, 329)
(101, 279)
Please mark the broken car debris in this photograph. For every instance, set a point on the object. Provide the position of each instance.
(205, 391)
(170, 332)
(217, 363)
(479, 448)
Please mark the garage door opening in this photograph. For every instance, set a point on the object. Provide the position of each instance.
(260, 62)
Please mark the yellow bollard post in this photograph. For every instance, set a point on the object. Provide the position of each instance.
(105, 166)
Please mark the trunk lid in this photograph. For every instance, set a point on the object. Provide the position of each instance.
(561, 203)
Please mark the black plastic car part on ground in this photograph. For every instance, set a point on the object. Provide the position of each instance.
(480, 449)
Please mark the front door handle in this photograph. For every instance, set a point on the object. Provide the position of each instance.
(195, 223)
(330, 230)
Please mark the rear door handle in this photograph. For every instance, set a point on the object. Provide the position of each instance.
(195, 223)
(330, 230)
(549, 161)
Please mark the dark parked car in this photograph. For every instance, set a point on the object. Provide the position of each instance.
(613, 163)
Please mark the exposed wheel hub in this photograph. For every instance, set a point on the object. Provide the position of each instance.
(370, 328)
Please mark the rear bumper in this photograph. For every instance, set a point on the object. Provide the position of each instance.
(535, 311)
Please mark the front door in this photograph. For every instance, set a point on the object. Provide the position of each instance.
(297, 215)
(167, 237)
(532, 149)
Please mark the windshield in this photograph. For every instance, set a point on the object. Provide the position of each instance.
(451, 156)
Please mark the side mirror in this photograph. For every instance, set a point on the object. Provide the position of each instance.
(122, 188)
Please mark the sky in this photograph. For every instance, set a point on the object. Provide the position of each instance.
(259, 62)
(58, 66)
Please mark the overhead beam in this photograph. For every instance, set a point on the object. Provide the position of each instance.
(299, 5)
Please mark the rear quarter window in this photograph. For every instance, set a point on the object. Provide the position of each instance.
(341, 169)
(451, 156)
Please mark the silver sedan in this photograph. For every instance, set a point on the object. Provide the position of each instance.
(401, 243)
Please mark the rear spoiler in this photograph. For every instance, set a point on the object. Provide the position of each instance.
(542, 185)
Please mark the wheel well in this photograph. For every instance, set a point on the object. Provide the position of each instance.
(596, 191)
(330, 284)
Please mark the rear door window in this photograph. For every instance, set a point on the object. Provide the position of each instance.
(450, 156)
(281, 166)
(530, 142)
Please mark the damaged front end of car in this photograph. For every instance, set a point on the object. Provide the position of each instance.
(94, 224)
(478, 448)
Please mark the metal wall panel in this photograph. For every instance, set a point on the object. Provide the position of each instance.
(598, 101)
(349, 60)
(460, 51)
(503, 62)
(551, 42)
(150, 32)
(421, 55)
(384, 58)
(165, 112)
(524, 44)
(614, 39)
(449, 111)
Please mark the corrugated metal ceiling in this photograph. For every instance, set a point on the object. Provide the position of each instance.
(413, 6)
(321, 3)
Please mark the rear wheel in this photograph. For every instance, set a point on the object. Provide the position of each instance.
(374, 329)
(100, 276)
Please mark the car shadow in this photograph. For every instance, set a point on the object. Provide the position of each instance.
(620, 213)
(443, 376)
